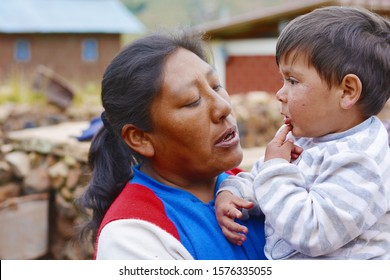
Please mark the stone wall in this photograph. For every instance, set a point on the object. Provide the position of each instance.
(49, 160)
(39, 154)
(258, 117)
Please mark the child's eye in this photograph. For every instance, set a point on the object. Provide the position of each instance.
(292, 81)
(289, 80)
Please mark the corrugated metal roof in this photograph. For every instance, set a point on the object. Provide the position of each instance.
(67, 16)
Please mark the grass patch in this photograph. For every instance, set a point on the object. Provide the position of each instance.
(17, 91)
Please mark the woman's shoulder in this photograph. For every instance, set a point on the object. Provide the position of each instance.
(140, 203)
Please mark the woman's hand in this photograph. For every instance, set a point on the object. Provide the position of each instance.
(227, 210)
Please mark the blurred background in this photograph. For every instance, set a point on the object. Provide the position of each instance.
(52, 57)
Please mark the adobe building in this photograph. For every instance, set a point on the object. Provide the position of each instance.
(75, 39)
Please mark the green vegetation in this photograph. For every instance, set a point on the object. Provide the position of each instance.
(19, 92)
(16, 91)
(88, 95)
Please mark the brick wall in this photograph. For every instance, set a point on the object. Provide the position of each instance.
(252, 73)
(59, 52)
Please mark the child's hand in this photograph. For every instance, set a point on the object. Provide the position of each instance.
(279, 147)
(226, 209)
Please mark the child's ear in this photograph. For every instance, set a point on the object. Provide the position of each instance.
(137, 140)
(352, 89)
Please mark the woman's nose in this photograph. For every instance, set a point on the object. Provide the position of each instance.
(221, 107)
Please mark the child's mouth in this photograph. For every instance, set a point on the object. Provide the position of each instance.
(287, 120)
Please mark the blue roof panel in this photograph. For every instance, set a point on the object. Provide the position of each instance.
(67, 16)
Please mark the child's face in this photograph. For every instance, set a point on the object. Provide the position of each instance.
(307, 102)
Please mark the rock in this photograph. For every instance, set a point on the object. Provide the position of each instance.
(59, 169)
(57, 182)
(258, 117)
(73, 178)
(58, 174)
(9, 190)
(6, 111)
(6, 148)
(66, 194)
(65, 227)
(37, 181)
(65, 208)
(70, 161)
(24, 227)
(19, 162)
(5, 172)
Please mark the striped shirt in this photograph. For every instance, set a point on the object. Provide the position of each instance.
(333, 202)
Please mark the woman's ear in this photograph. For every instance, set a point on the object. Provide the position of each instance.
(137, 140)
(352, 89)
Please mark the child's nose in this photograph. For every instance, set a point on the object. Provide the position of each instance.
(280, 95)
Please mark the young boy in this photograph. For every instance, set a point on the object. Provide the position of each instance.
(331, 200)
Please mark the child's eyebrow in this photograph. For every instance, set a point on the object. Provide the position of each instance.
(290, 69)
(285, 70)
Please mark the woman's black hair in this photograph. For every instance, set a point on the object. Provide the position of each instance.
(130, 84)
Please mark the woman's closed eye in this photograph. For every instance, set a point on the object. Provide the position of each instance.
(194, 103)
(217, 88)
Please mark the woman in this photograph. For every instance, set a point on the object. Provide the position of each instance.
(169, 136)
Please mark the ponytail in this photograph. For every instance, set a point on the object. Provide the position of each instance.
(111, 161)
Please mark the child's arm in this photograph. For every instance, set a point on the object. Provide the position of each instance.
(233, 202)
(227, 210)
(339, 205)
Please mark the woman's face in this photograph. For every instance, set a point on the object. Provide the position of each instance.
(194, 133)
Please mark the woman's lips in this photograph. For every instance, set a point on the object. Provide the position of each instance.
(228, 139)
